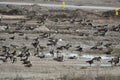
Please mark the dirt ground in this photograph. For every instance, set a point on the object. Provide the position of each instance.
(59, 25)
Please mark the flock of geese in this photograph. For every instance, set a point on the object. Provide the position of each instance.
(113, 61)
(6, 55)
(25, 54)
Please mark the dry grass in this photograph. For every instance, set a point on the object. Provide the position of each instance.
(48, 69)
(89, 77)
(70, 76)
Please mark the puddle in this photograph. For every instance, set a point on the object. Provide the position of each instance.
(66, 55)
(84, 56)
(92, 56)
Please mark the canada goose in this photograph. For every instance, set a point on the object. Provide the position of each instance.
(13, 37)
(79, 48)
(14, 53)
(72, 57)
(3, 59)
(14, 59)
(90, 62)
(41, 56)
(28, 64)
(25, 59)
(52, 52)
(115, 61)
(59, 59)
(97, 58)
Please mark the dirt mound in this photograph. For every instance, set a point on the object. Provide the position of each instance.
(41, 28)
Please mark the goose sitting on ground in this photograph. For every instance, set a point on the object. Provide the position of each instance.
(29, 64)
(42, 55)
(59, 59)
(26, 62)
(72, 57)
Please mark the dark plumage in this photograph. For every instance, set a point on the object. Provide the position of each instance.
(3, 59)
(79, 48)
(60, 48)
(37, 52)
(35, 43)
(108, 45)
(114, 61)
(21, 34)
(41, 56)
(94, 47)
(14, 59)
(25, 59)
(59, 59)
(73, 57)
(90, 62)
(42, 47)
(107, 52)
(14, 53)
(52, 52)
(26, 38)
(14, 46)
(13, 37)
(45, 35)
(27, 64)
(27, 54)
(20, 55)
(97, 58)
(67, 46)
(3, 54)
